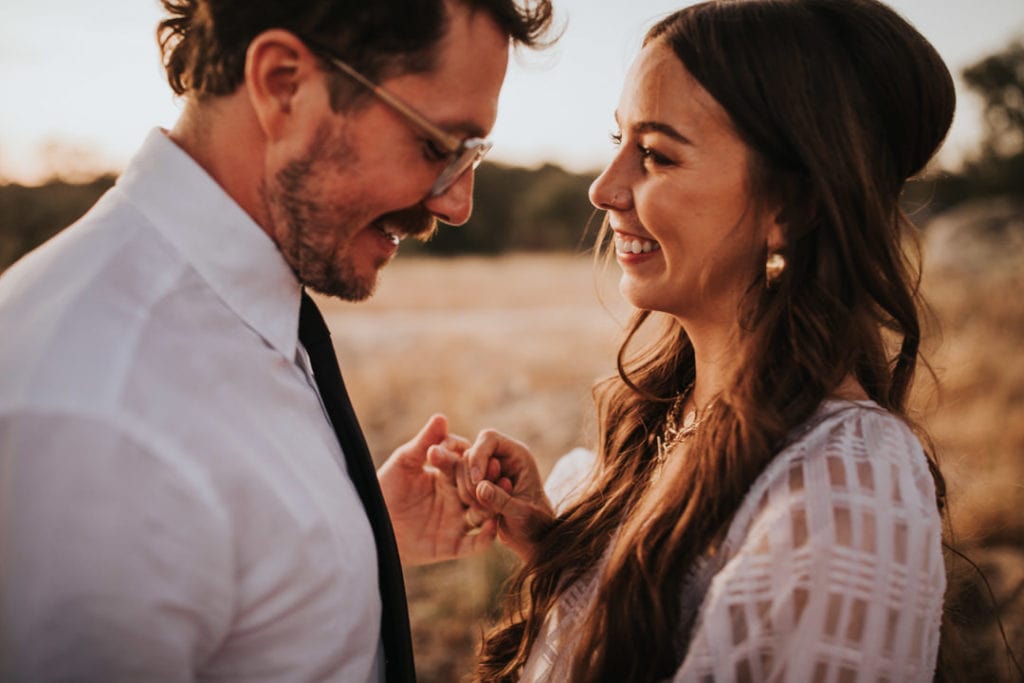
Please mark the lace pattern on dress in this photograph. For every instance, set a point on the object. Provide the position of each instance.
(831, 569)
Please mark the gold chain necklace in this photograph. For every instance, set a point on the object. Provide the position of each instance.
(675, 433)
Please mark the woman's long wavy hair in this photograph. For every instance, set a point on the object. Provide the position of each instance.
(839, 103)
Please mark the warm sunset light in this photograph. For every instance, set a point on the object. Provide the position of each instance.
(81, 87)
(710, 370)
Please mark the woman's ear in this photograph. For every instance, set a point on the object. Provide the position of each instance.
(776, 235)
(280, 73)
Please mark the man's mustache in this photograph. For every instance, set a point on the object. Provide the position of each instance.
(414, 222)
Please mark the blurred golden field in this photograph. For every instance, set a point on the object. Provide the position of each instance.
(516, 342)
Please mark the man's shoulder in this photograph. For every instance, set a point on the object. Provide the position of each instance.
(104, 225)
(113, 249)
(75, 310)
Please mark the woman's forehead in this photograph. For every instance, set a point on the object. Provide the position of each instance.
(660, 88)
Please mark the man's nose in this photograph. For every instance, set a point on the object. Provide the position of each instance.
(455, 205)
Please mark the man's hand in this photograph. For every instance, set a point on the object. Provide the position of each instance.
(502, 474)
(430, 520)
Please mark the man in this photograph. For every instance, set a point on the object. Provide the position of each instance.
(181, 476)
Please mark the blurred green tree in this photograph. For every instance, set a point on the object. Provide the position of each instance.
(31, 215)
(998, 167)
(519, 209)
(999, 79)
(553, 212)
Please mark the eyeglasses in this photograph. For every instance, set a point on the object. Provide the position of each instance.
(464, 154)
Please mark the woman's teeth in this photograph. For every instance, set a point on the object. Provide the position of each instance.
(635, 246)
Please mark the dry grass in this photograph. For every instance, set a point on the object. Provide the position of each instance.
(515, 343)
(975, 415)
(511, 343)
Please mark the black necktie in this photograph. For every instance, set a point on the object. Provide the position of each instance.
(395, 633)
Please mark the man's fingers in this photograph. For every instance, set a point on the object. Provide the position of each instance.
(457, 443)
(477, 539)
(414, 453)
(475, 517)
(435, 431)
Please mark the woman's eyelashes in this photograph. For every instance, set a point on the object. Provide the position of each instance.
(652, 156)
(648, 155)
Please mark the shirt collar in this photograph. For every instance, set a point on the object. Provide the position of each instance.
(238, 260)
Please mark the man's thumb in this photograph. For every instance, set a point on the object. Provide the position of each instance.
(434, 432)
(414, 452)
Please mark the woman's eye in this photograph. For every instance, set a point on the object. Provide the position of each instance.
(647, 154)
(433, 151)
(650, 155)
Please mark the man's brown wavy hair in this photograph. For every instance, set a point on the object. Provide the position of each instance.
(839, 103)
(204, 42)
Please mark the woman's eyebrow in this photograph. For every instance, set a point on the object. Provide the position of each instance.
(658, 127)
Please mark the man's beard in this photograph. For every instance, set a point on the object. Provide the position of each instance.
(317, 234)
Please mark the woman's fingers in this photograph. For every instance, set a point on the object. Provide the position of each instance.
(520, 522)
(493, 498)
(444, 459)
(512, 456)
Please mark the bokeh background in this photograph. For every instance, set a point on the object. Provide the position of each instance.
(508, 321)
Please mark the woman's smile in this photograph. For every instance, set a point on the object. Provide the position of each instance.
(628, 245)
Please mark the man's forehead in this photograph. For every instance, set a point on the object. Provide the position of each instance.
(461, 90)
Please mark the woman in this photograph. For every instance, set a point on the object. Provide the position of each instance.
(760, 509)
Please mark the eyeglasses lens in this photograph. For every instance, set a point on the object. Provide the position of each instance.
(470, 156)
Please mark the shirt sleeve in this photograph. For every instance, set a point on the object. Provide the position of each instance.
(570, 477)
(114, 558)
(840, 575)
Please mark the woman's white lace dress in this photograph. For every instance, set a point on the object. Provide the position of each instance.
(831, 569)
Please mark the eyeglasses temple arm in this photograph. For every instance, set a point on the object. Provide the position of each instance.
(450, 141)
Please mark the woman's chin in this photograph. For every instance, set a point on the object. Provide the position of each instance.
(639, 294)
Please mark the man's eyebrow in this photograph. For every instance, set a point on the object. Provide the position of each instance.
(663, 128)
(461, 127)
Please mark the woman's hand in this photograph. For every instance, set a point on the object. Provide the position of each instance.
(501, 475)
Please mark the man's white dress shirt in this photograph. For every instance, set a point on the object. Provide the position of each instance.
(173, 501)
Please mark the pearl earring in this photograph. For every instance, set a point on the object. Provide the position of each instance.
(773, 267)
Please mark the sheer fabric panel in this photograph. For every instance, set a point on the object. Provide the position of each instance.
(835, 568)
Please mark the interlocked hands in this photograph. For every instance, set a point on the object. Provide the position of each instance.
(448, 498)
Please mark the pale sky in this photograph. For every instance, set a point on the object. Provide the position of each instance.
(83, 80)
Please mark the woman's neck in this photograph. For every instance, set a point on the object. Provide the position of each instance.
(714, 352)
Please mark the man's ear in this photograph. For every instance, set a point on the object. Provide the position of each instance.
(281, 74)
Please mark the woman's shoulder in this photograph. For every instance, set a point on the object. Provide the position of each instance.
(856, 445)
(849, 454)
(855, 431)
(841, 530)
